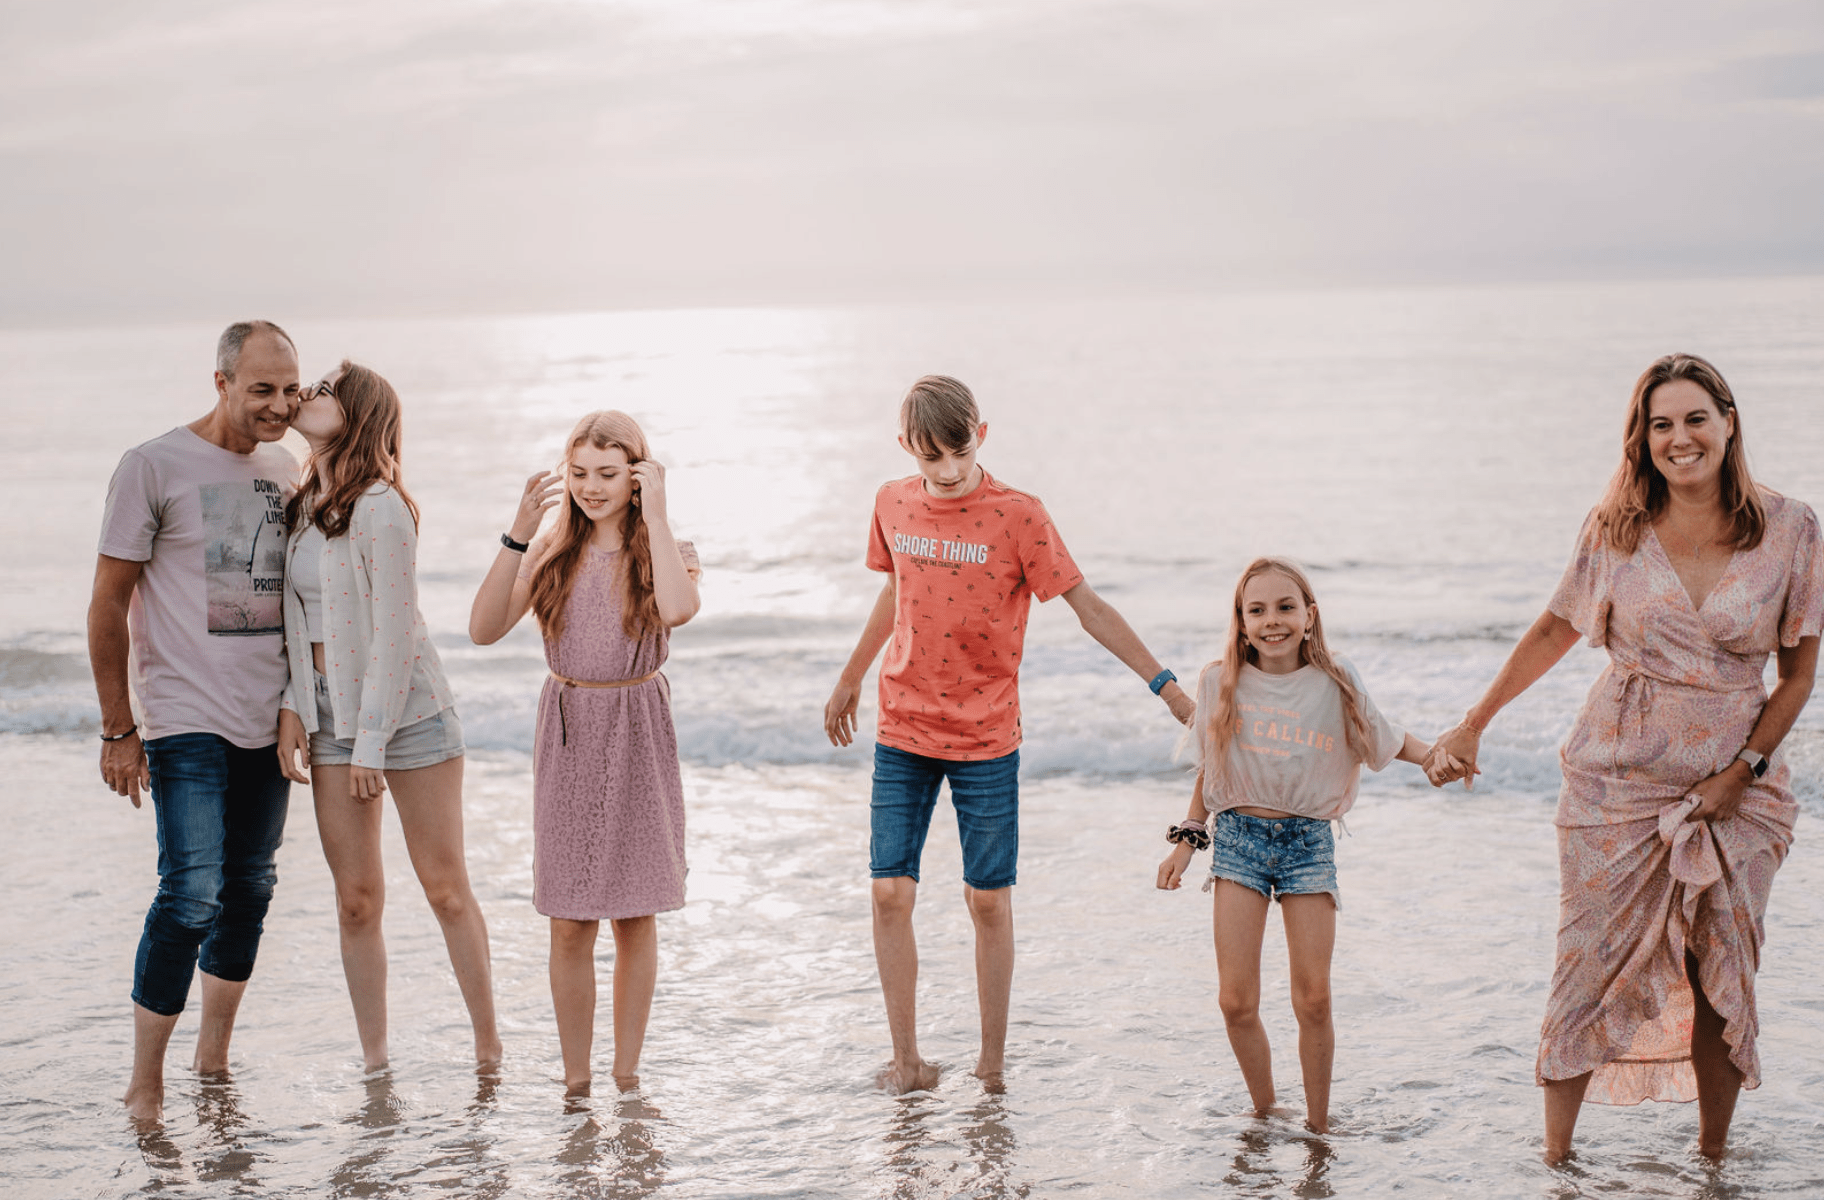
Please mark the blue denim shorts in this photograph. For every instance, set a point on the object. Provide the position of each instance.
(1277, 857)
(985, 794)
(423, 743)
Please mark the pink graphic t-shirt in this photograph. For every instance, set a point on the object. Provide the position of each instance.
(966, 571)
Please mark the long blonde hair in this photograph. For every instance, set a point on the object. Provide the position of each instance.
(1637, 492)
(1236, 651)
(556, 572)
(365, 451)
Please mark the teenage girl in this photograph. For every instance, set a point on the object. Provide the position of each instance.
(379, 716)
(608, 583)
(1281, 731)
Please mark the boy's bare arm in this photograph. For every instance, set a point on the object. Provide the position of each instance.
(839, 719)
(1102, 622)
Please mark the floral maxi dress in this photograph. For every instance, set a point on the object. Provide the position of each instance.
(1639, 885)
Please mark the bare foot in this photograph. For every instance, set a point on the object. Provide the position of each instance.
(992, 1082)
(900, 1078)
(146, 1104)
(627, 1083)
(1713, 1154)
(1317, 1126)
(576, 1089)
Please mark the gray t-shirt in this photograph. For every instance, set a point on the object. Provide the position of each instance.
(1289, 751)
(206, 619)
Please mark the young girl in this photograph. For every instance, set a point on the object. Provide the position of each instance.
(1282, 730)
(379, 716)
(607, 582)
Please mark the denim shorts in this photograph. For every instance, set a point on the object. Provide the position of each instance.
(1277, 857)
(424, 743)
(985, 794)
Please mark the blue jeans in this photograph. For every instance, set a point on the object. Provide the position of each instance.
(221, 816)
(985, 793)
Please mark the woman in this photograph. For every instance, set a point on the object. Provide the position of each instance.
(380, 718)
(1676, 809)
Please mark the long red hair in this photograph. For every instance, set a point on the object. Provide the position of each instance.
(1236, 651)
(556, 571)
(365, 451)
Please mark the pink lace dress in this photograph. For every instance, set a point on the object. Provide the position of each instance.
(607, 800)
(1639, 885)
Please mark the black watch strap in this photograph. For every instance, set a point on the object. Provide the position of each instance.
(506, 539)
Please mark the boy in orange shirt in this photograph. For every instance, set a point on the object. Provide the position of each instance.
(964, 554)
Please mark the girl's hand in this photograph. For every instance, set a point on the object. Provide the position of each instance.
(366, 784)
(1453, 757)
(294, 747)
(1720, 796)
(542, 491)
(1171, 870)
(649, 489)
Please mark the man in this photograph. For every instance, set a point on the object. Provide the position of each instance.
(190, 580)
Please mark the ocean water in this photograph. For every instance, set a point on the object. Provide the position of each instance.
(1428, 453)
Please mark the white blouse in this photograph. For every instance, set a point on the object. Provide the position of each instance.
(307, 546)
(383, 671)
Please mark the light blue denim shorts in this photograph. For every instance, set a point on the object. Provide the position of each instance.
(421, 744)
(1277, 857)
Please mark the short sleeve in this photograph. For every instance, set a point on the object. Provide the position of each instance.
(1804, 614)
(688, 552)
(880, 558)
(1197, 734)
(131, 518)
(1387, 737)
(1582, 597)
(1049, 569)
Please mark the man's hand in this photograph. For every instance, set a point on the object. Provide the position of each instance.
(123, 767)
(294, 745)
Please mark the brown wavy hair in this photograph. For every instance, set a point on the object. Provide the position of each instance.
(556, 572)
(1637, 492)
(365, 451)
(1236, 651)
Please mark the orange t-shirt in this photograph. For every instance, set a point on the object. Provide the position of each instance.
(965, 572)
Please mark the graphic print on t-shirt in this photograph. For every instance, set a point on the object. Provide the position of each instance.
(244, 556)
(1271, 730)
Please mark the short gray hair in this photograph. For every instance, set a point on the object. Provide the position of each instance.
(228, 348)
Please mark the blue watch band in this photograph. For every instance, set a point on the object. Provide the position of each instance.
(1161, 679)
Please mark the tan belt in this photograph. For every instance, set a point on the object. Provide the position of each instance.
(563, 726)
(610, 683)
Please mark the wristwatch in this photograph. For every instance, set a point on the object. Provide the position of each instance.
(1756, 761)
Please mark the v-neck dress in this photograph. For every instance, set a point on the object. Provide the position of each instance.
(1639, 885)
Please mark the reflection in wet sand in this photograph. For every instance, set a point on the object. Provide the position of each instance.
(981, 1166)
(1253, 1170)
(365, 1173)
(226, 1157)
(623, 1163)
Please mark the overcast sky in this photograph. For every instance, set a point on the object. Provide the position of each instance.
(396, 156)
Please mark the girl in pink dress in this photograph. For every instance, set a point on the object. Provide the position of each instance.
(1676, 807)
(607, 582)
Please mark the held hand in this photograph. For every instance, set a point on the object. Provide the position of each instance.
(1453, 757)
(542, 491)
(1182, 706)
(294, 747)
(124, 769)
(366, 784)
(1171, 868)
(649, 489)
(1719, 797)
(839, 719)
